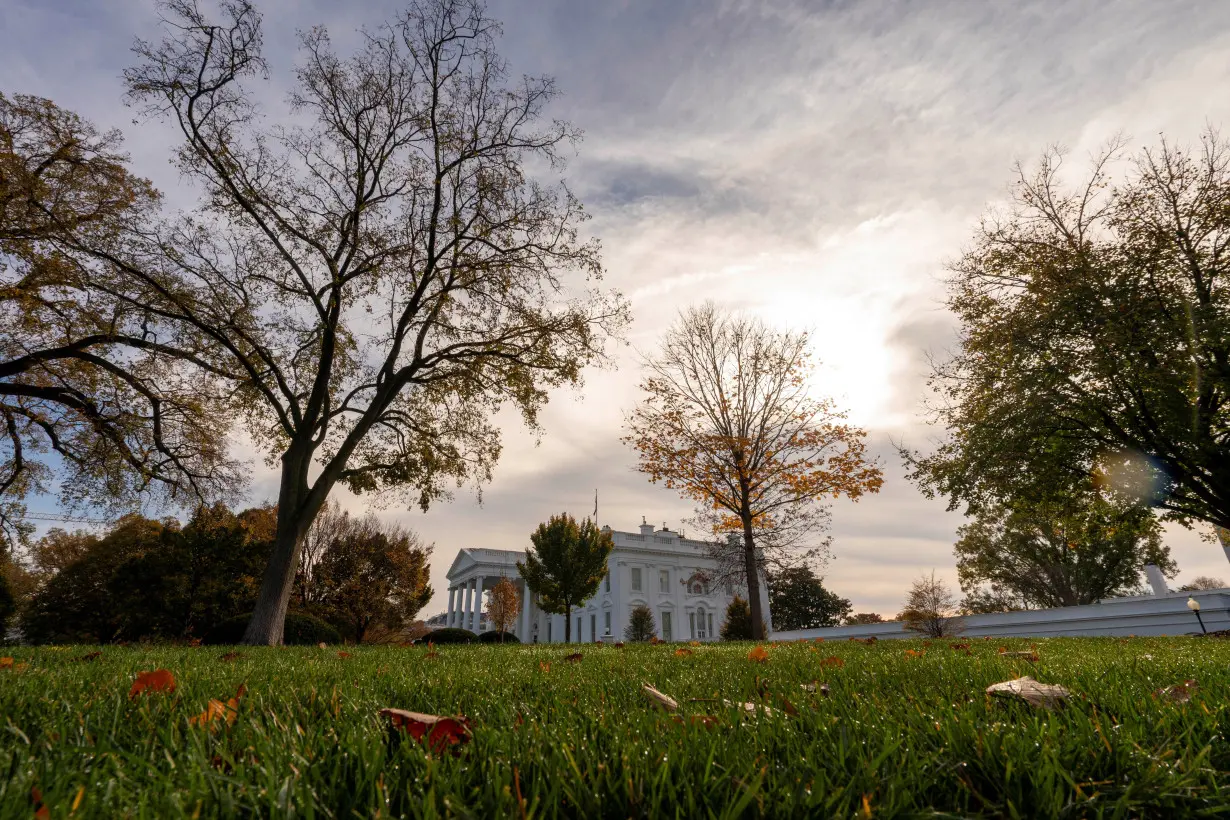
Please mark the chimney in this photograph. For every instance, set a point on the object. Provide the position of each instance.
(1156, 579)
(646, 529)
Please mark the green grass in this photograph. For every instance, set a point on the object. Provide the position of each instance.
(904, 736)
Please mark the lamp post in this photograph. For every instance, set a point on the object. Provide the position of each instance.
(1194, 606)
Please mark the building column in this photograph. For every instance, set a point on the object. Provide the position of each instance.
(478, 602)
(448, 616)
(465, 606)
(523, 623)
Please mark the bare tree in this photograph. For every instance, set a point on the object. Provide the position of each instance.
(331, 526)
(727, 421)
(1203, 582)
(931, 608)
(382, 274)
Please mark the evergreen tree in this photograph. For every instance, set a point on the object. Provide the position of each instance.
(798, 600)
(566, 564)
(641, 626)
(738, 625)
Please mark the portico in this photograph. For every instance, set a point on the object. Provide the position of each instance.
(474, 572)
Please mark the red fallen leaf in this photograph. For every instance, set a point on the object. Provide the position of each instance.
(440, 733)
(958, 646)
(160, 680)
(1178, 693)
(683, 653)
(574, 657)
(343, 654)
(90, 656)
(230, 656)
(759, 654)
(619, 644)
(833, 661)
(36, 799)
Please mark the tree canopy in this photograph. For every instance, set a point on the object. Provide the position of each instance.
(1095, 339)
(374, 279)
(727, 420)
(566, 564)
(798, 600)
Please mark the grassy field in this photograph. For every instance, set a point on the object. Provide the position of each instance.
(897, 735)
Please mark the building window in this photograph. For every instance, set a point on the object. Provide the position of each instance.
(664, 581)
(700, 616)
(606, 619)
(666, 626)
(636, 579)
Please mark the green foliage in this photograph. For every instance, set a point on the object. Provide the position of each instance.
(8, 603)
(566, 564)
(892, 732)
(495, 636)
(1067, 551)
(1094, 340)
(738, 623)
(301, 630)
(864, 618)
(449, 634)
(798, 600)
(641, 626)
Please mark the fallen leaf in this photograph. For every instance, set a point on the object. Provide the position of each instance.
(619, 644)
(230, 656)
(788, 707)
(574, 657)
(430, 656)
(1178, 693)
(1025, 656)
(911, 653)
(544, 667)
(36, 799)
(693, 643)
(343, 654)
(1036, 694)
(759, 654)
(90, 656)
(819, 640)
(441, 733)
(658, 699)
(654, 640)
(749, 707)
(762, 687)
(194, 642)
(217, 710)
(683, 653)
(834, 661)
(958, 646)
(160, 680)
(6, 663)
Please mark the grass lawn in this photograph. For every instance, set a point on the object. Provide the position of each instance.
(897, 735)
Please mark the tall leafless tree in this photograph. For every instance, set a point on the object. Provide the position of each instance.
(377, 276)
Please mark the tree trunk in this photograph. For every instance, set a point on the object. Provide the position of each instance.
(567, 624)
(753, 580)
(295, 516)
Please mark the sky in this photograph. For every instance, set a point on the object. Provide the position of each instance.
(814, 164)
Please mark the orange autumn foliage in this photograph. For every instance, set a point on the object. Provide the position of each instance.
(217, 710)
(759, 655)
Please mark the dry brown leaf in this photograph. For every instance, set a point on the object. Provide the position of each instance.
(912, 653)
(160, 680)
(6, 663)
(658, 699)
(619, 644)
(958, 646)
(90, 656)
(1178, 693)
(834, 661)
(683, 653)
(343, 654)
(655, 640)
(819, 640)
(788, 707)
(574, 657)
(1029, 690)
(759, 654)
(693, 643)
(440, 733)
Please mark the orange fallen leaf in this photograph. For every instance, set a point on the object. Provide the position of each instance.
(693, 643)
(819, 640)
(441, 733)
(911, 653)
(759, 654)
(217, 710)
(655, 640)
(6, 663)
(343, 654)
(958, 646)
(544, 667)
(194, 642)
(834, 661)
(160, 680)
(683, 653)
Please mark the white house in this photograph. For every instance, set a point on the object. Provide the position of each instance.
(655, 568)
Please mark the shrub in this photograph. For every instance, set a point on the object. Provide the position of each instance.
(493, 636)
(641, 626)
(738, 625)
(300, 630)
(450, 634)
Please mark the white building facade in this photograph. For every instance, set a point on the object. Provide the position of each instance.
(655, 568)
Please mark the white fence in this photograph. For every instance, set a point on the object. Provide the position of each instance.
(1143, 615)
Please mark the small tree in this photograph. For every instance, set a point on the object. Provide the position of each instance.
(566, 564)
(727, 420)
(864, 618)
(798, 600)
(738, 624)
(641, 626)
(1201, 582)
(931, 608)
(503, 606)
